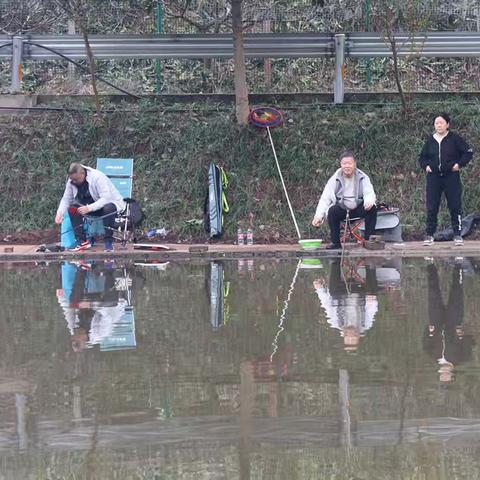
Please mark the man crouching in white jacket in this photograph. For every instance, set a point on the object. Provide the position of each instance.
(349, 189)
(89, 192)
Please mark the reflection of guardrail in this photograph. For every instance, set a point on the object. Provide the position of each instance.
(293, 45)
(211, 431)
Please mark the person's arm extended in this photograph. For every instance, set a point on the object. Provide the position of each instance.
(424, 159)
(369, 197)
(65, 202)
(466, 153)
(326, 200)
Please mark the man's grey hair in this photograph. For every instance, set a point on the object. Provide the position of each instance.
(347, 154)
(75, 167)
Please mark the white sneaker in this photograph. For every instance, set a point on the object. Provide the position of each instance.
(82, 247)
(428, 240)
(458, 241)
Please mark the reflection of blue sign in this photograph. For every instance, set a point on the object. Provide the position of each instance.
(123, 334)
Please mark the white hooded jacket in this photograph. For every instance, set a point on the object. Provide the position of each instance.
(332, 193)
(101, 189)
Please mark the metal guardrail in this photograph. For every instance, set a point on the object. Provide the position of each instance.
(176, 46)
(431, 44)
(268, 45)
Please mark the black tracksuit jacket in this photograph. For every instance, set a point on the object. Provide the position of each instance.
(442, 157)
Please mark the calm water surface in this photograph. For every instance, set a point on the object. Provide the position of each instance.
(241, 370)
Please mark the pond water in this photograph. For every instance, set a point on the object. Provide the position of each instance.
(241, 370)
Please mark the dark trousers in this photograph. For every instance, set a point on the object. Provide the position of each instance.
(450, 184)
(338, 289)
(446, 318)
(336, 214)
(108, 212)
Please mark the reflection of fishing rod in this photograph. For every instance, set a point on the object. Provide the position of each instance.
(344, 241)
(284, 311)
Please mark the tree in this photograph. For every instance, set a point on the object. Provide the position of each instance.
(411, 17)
(240, 77)
(82, 12)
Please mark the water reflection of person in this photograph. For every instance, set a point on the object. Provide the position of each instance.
(91, 303)
(350, 302)
(445, 338)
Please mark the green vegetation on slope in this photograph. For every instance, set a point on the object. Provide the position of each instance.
(172, 149)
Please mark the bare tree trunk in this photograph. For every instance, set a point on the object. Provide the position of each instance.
(396, 72)
(91, 64)
(240, 76)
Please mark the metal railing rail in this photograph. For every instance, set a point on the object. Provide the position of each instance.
(269, 45)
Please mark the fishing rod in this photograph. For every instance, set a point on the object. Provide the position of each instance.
(268, 117)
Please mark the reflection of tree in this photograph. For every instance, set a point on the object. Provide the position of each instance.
(197, 370)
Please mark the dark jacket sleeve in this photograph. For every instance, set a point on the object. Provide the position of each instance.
(424, 160)
(464, 150)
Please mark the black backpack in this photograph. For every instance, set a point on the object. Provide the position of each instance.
(136, 216)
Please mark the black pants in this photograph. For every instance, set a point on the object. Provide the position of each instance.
(338, 289)
(450, 184)
(108, 212)
(443, 341)
(336, 214)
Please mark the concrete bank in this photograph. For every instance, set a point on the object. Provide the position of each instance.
(18, 253)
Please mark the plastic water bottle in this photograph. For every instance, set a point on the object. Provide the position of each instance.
(157, 231)
(249, 236)
(240, 237)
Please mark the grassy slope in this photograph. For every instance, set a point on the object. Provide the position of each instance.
(172, 150)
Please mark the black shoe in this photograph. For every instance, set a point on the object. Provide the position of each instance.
(333, 246)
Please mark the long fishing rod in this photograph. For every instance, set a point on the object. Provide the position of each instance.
(283, 184)
(268, 117)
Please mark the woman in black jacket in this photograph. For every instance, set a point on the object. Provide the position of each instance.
(442, 157)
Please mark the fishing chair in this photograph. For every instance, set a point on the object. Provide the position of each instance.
(120, 172)
(388, 225)
(351, 230)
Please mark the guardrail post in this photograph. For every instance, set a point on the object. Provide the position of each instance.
(71, 31)
(17, 73)
(339, 87)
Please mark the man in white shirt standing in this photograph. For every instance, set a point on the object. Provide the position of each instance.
(348, 190)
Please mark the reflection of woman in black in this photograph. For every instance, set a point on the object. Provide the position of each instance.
(444, 336)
